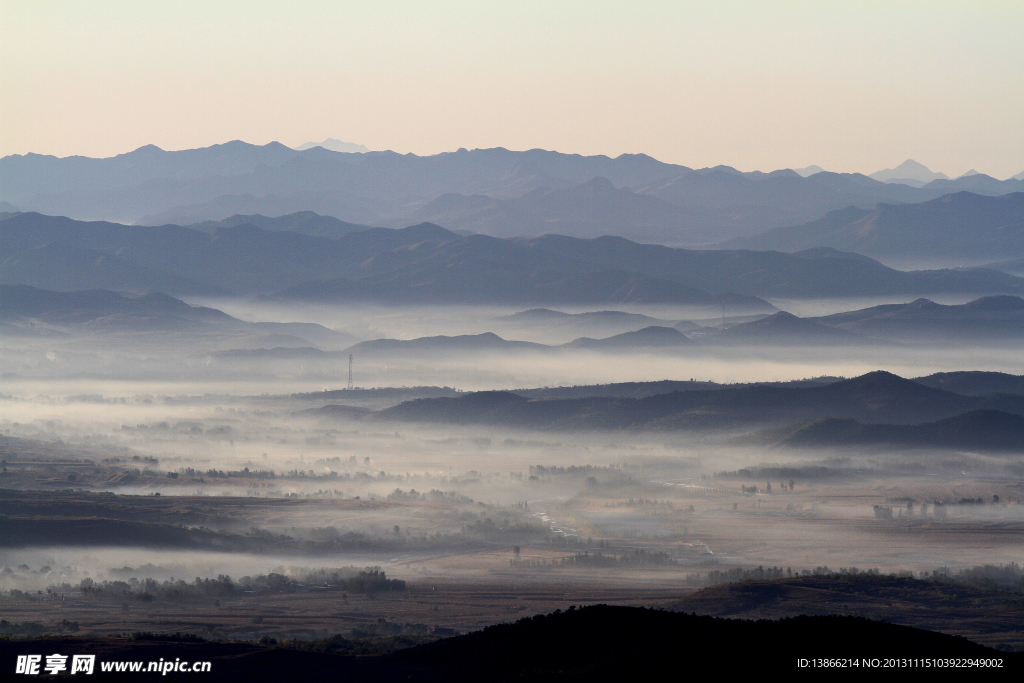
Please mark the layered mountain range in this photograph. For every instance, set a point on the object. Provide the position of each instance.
(490, 191)
(429, 264)
(995, 320)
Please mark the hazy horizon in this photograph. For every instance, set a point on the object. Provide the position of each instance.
(852, 87)
(356, 144)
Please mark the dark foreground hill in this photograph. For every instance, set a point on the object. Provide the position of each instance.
(592, 643)
(877, 397)
(985, 612)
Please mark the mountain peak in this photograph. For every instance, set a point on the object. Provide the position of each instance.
(146, 149)
(809, 170)
(880, 382)
(908, 170)
(335, 145)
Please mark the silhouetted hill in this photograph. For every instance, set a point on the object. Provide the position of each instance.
(979, 429)
(644, 389)
(955, 227)
(652, 337)
(980, 613)
(993, 317)
(488, 341)
(622, 643)
(875, 397)
(337, 412)
(591, 324)
(784, 328)
(103, 310)
(21, 302)
(975, 382)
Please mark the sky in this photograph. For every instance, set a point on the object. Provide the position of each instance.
(852, 86)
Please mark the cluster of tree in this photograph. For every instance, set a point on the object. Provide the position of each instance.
(435, 495)
(149, 589)
(369, 580)
(31, 629)
(528, 563)
(716, 576)
(135, 458)
(790, 474)
(637, 558)
(938, 511)
(221, 474)
(988, 576)
(1002, 576)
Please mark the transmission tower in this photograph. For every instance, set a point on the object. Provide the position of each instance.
(350, 371)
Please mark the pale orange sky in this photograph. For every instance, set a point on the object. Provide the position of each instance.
(851, 86)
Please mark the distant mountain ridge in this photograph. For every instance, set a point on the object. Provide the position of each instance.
(956, 226)
(427, 264)
(498, 190)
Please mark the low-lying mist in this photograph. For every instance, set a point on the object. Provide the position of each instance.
(137, 461)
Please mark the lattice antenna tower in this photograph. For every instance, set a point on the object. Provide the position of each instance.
(350, 371)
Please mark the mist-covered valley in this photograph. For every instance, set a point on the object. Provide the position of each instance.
(149, 451)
